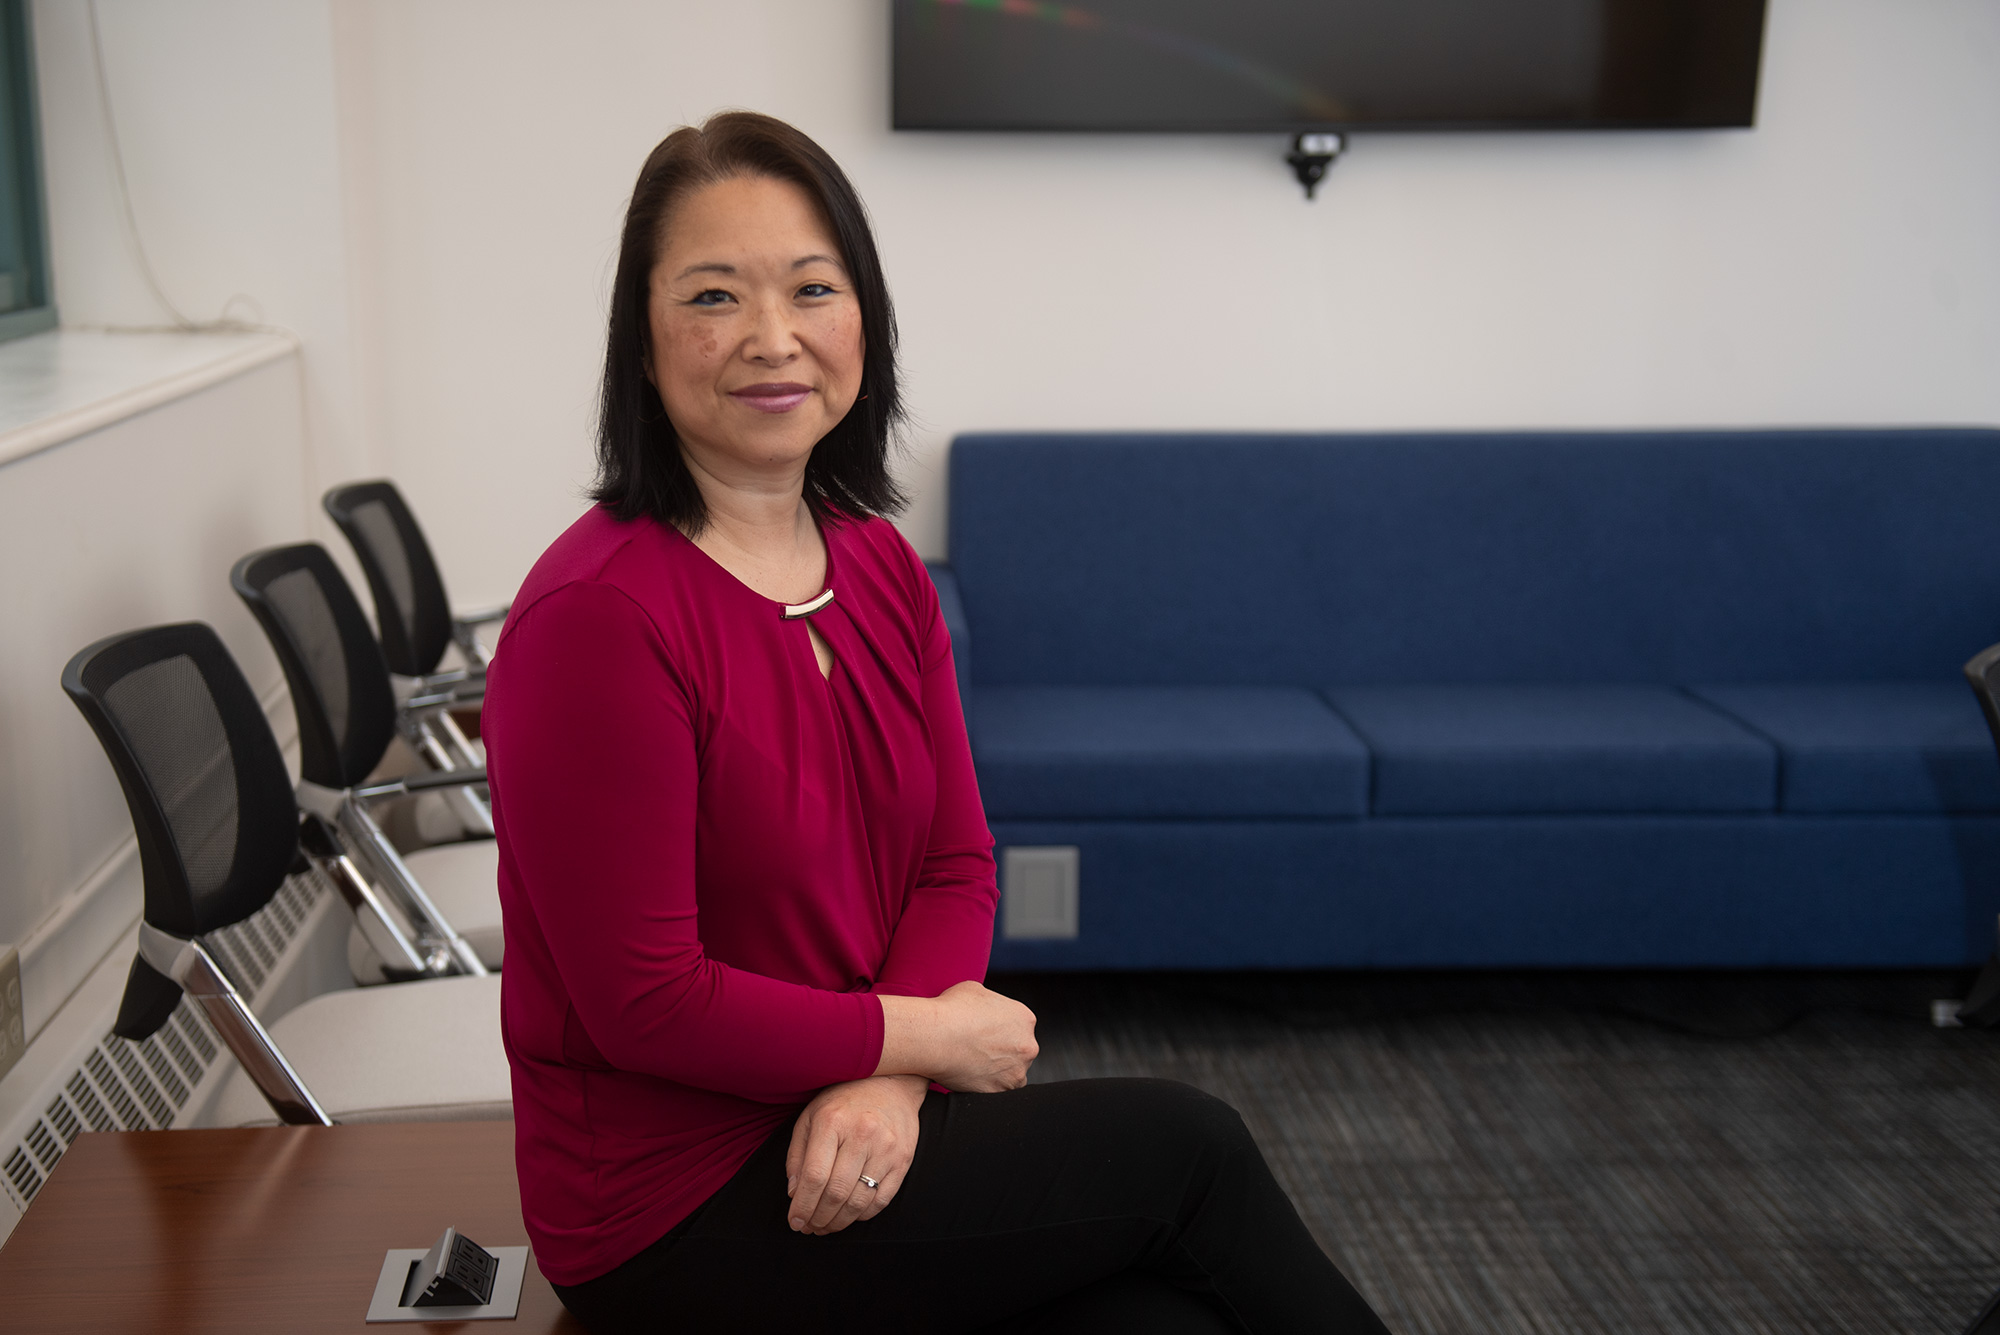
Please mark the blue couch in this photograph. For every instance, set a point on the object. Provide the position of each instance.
(1527, 699)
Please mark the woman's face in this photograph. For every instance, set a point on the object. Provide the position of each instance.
(755, 328)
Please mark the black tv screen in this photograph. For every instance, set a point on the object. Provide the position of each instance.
(1178, 65)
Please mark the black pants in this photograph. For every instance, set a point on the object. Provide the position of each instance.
(1098, 1205)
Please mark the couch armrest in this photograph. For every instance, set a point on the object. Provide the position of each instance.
(954, 621)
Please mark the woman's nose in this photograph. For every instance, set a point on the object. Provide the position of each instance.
(772, 337)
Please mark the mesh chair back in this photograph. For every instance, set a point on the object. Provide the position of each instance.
(210, 799)
(340, 685)
(412, 610)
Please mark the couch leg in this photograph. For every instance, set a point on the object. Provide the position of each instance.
(1981, 1007)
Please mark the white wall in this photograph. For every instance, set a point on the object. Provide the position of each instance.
(228, 123)
(131, 525)
(1836, 265)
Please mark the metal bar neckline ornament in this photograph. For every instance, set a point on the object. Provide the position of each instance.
(794, 611)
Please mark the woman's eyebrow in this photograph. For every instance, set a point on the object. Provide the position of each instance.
(716, 266)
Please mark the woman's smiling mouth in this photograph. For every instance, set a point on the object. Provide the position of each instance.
(778, 397)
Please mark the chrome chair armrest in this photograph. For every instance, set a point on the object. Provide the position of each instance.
(462, 684)
(420, 783)
(465, 633)
(445, 698)
(482, 616)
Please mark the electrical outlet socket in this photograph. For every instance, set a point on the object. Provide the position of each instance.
(13, 1030)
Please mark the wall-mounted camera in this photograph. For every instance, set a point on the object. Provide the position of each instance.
(1312, 153)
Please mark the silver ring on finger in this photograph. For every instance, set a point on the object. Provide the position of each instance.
(868, 1181)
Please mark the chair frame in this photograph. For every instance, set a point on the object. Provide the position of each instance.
(429, 946)
(187, 962)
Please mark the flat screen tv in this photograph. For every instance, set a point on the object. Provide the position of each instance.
(1193, 65)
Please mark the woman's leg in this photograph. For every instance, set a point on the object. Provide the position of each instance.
(1132, 1301)
(1013, 1201)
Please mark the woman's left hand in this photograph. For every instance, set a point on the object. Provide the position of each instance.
(861, 1127)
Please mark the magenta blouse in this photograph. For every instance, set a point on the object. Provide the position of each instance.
(711, 861)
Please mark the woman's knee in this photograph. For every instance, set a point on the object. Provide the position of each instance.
(1189, 1114)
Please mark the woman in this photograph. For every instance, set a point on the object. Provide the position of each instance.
(747, 883)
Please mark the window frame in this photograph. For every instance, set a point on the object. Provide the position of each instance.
(20, 87)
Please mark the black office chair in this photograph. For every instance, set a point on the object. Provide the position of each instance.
(347, 714)
(218, 833)
(349, 709)
(1982, 1005)
(412, 610)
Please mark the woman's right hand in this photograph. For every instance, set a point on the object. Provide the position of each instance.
(969, 1039)
(995, 1040)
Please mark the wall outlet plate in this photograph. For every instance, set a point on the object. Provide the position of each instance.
(13, 1031)
(1038, 893)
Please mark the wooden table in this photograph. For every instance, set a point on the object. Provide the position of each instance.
(264, 1230)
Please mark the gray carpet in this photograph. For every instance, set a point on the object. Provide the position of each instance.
(1593, 1154)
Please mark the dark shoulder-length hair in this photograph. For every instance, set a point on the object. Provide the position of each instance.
(639, 466)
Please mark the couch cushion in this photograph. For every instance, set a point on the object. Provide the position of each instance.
(1463, 750)
(1554, 556)
(1171, 752)
(1871, 745)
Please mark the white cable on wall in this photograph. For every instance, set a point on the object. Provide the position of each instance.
(181, 320)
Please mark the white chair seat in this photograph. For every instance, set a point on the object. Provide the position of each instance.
(414, 1052)
(463, 880)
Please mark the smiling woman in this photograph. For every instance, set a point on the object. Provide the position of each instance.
(747, 882)
(695, 280)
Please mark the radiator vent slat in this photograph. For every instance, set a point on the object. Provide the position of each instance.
(281, 909)
(45, 1145)
(63, 1118)
(22, 1178)
(177, 1048)
(266, 957)
(112, 1089)
(195, 1030)
(88, 1104)
(163, 1071)
(141, 1084)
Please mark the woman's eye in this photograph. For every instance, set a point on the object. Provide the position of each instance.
(715, 296)
(816, 290)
